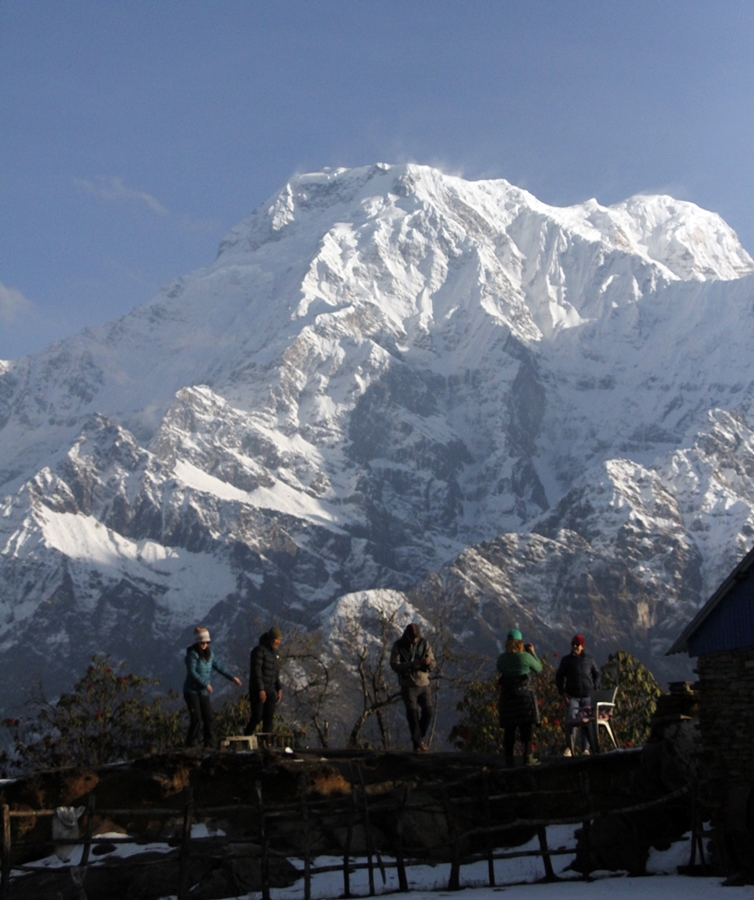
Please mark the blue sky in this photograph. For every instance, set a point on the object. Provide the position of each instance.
(133, 134)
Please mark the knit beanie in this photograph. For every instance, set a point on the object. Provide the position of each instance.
(275, 633)
(578, 639)
(201, 635)
(515, 635)
(412, 632)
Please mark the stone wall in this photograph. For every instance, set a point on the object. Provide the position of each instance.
(726, 714)
(726, 722)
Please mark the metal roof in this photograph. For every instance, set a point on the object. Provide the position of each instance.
(726, 621)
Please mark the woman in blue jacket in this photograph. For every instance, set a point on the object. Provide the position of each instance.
(200, 661)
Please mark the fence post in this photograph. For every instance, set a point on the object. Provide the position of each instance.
(265, 861)
(6, 852)
(587, 826)
(183, 872)
(487, 835)
(307, 855)
(549, 871)
(347, 845)
(88, 833)
(454, 880)
(697, 826)
(587, 849)
(367, 834)
(399, 859)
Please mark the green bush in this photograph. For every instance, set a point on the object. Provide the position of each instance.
(477, 730)
(109, 716)
(636, 700)
(549, 736)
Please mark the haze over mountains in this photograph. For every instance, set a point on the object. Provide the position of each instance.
(390, 378)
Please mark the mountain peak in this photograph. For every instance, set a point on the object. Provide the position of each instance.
(693, 243)
(683, 240)
(384, 366)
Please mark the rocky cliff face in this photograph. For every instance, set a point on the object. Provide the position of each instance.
(388, 373)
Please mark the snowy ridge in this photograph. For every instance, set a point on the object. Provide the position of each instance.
(385, 371)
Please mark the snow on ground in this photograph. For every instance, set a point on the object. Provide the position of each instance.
(430, 882)
(123, 850)
(668, 887)
(511, 875)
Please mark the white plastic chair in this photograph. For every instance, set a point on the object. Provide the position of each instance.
(603, 705)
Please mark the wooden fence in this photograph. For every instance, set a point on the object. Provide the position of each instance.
(358, 809)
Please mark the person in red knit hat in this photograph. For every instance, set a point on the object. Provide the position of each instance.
(576, 679)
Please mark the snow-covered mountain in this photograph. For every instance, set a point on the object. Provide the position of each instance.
(390, 378)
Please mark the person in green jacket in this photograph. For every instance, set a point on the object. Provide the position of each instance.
(517, 707)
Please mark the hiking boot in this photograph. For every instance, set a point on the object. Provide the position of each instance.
(567, 752)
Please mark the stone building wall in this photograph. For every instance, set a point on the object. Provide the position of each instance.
(726, 722)
(726, 714)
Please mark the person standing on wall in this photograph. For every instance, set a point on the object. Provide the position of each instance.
(517, 708)
(412, 660)
(265, 688)
(200, 662)
(576, 679)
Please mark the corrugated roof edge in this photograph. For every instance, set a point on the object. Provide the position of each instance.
(682, 643)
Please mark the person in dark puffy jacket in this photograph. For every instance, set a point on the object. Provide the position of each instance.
(517, 706)
(412, 660)
(200, 662)
(265, 688)
(576, 679)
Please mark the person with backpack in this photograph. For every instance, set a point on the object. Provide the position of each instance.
(518, 709)
(412, 660)
(200, 663)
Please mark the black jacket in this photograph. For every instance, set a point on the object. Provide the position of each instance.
(264, 672)
(577, 676)
(405, 662)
